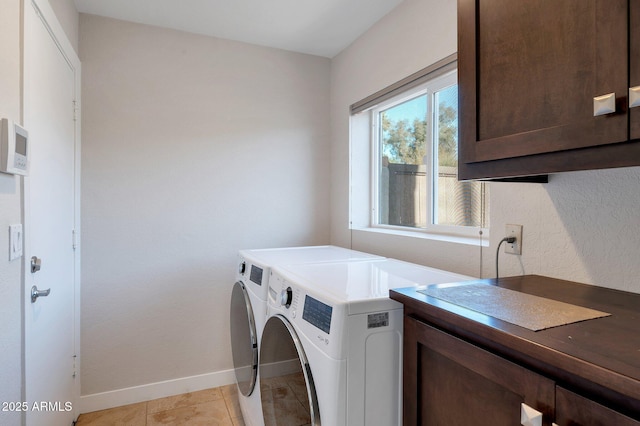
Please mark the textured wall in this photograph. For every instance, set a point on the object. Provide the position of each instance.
(193, 148)
(581, 226)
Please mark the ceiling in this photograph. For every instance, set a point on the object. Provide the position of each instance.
(316, 27)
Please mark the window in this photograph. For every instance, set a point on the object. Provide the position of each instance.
(413, 145)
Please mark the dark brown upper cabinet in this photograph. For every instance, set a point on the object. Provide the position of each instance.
(529, 74)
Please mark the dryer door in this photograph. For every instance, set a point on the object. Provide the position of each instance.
(244, 339)
(286, 383)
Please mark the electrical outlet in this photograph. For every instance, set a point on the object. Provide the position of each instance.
(515, 247)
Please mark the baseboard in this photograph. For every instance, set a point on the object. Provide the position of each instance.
(132, 395)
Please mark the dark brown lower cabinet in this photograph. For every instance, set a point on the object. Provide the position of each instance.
(449, 381)
(457, 383)
(573, 410)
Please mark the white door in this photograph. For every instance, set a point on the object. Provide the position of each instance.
(50, 221)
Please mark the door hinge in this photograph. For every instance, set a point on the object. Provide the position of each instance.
(75, 111)
(74, 239)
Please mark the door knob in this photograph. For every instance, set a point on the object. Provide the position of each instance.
(35, 293)
(36, 263)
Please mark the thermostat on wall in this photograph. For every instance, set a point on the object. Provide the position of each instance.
(14, 148)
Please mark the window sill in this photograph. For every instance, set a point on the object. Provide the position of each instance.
(449, 238)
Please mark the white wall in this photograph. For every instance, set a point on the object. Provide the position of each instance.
(193, 148)
(398, 45)
(581, 226)
(10, 213)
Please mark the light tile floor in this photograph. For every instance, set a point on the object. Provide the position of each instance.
(285, 401)
(217, 406)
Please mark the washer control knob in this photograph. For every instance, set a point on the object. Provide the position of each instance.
(242, 268)
(286, 297)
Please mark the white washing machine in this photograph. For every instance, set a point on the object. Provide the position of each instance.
(331, 350)
(248, 311)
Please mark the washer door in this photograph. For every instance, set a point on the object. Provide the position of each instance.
(244, 339)
(286, 383)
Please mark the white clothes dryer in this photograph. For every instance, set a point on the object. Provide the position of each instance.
(331, 349)
(248, 311)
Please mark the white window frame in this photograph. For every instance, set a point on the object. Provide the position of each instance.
(429, 88)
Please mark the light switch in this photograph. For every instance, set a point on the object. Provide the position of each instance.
(15, 241)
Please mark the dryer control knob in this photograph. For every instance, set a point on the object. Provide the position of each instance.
(242, 268)
(286, 296)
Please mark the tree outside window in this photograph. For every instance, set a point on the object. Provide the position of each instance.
(416, 141)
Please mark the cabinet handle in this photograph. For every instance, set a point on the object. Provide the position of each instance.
(605, 104)
(634, 96)
(530, 416)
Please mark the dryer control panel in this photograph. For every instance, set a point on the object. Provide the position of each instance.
(254, 275)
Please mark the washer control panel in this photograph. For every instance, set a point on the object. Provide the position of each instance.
(318, 319)
(317, 314)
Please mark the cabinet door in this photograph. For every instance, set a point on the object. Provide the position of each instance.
(448, 381)
(572, 410)
(529, 71)
(634, 65)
